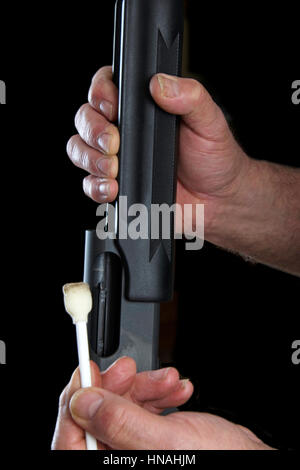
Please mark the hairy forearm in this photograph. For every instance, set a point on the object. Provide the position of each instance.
(262, 219)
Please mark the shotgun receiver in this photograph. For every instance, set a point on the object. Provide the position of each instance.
(130, 277)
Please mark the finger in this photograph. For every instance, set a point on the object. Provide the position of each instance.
(120, 376)
(177, 397)
(103, 94)
(155, 390)
(100, 189)
(96, 131)
(91, 160)
(68, 435)
(119, 423)
(155, 385)
(189, 99)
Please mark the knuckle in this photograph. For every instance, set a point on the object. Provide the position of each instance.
(199, 92)
(94, 129)
(88, 127)
(71, 145)
(62, 401)
(80, 114)
(91, 188)
(95, 92)
(90, 134)
(97, 87)
(99, 90)
(85, 160)
(87, 186)
(102, 71)
(92, 97)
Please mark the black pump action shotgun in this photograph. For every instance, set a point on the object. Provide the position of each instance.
(130, 277)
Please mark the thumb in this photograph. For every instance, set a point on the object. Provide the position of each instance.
(118, 423)
(188, 98)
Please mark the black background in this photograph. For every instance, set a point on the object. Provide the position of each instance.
(237, 321)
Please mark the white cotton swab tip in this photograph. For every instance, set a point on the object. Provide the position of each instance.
(78, 300)
(78, 303)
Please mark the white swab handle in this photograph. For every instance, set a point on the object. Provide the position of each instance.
(85, 370)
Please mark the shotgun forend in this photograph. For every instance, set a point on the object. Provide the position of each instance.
(130, 277)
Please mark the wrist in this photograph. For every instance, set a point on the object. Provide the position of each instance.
(231, 211)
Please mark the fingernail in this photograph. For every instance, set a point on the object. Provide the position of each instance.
(159, 374)
(104, 142)
(184, 383)
(104, 189)
(104, 165)
(86, 404)
(168, 85)
(106, 108)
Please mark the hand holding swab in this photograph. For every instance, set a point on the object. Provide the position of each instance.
(78, 303)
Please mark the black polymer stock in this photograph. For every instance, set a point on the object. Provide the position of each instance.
(129, 278)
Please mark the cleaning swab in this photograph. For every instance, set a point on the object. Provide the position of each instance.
(78, 303)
